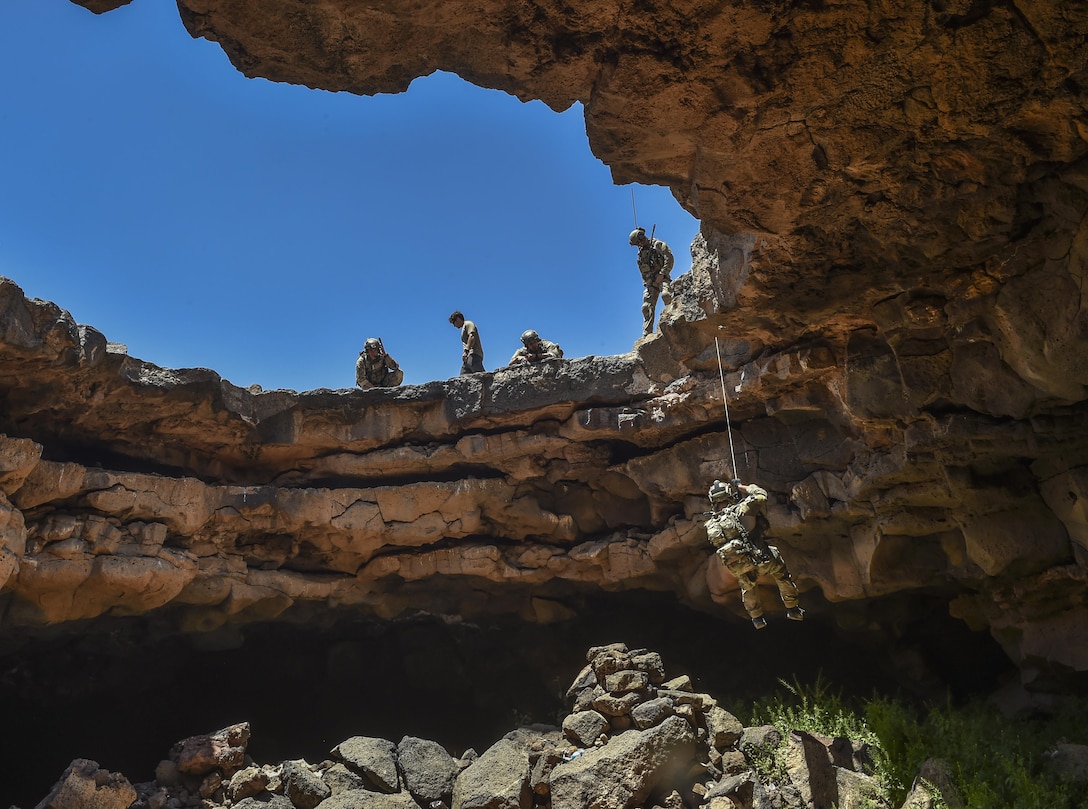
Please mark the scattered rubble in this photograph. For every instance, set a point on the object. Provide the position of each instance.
(634, 737)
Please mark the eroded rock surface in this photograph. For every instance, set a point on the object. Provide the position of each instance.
(893, 256)
(133, 489)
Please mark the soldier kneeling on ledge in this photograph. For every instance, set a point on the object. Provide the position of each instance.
(375, 368)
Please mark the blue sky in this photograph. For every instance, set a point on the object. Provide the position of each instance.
(266, 230)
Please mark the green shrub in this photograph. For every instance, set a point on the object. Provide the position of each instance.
(994, 762)
(814, 709)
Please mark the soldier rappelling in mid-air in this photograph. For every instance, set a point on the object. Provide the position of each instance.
(735, 528)
(655, 263)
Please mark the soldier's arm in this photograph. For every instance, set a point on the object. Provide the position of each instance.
(391, 363)
(472, 340)
(754, 496)
(360, 375)
(669, 260)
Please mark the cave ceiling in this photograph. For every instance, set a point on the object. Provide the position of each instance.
(893, 251)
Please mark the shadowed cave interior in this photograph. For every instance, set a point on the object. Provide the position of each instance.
(122, 693)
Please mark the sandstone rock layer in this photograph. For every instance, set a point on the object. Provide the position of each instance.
(892, 259)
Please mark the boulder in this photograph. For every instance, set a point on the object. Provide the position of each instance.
(583, 727)
(933, 788)
(264, 802)
(622, 773)
(429, 771)
(246, 783)
(498, 779)
(723, 729)
(368, 799)
(223, 750)
(85, 785)
(374, 759)
(339, 779)
(302, 785)
(1069, 762)
(652, 712)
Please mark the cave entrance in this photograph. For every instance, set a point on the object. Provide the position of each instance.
(265, 230)
(122, 692)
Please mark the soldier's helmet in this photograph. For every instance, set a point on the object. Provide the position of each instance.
(529, 336)
(372, 342)
(719, 492)
(638, 236)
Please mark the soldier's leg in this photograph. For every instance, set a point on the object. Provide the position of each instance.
(788, 590)
(395, 378)
(776, 568)
(749, 595)
(472, 364)
(649, 307)
(666, 293)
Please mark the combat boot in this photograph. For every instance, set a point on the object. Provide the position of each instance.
(795, 614)
(759, 622)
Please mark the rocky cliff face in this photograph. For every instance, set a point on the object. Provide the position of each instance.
(892, 258)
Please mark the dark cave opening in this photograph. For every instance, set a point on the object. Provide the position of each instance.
(123, 693)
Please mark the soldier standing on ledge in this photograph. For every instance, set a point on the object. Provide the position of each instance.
(735, 528)
(375, 368)
(655, 263)
(472, 351)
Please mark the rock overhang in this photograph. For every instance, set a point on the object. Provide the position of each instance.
(892, 208)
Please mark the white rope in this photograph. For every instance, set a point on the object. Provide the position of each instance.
(725, 401)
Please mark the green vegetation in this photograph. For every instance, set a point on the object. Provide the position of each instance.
(993, 761)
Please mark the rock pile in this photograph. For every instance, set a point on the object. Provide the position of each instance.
(653, 741)
(634, 738)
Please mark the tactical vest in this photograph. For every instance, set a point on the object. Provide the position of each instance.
(650, 262)
(733, 541)
(377, 372)
(724, 527)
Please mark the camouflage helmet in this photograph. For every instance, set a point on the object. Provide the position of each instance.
(529, 336)
(372, 342)
(719, 492)
(638, 236)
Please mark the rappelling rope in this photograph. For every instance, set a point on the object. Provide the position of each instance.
(725, 401)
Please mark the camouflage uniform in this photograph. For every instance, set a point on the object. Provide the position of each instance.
(736, 532)
(382, 372)
(655, 262)
(548, 351)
